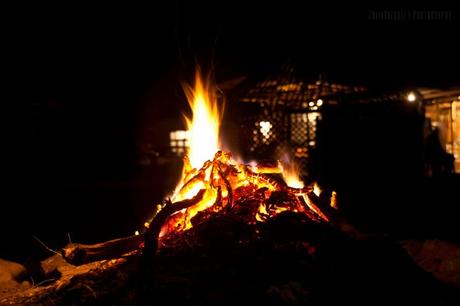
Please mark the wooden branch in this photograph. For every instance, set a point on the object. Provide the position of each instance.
(78, 254)
(323, 210)
(229, 190)
(153, 232)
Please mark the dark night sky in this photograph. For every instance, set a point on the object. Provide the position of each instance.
(81, 83)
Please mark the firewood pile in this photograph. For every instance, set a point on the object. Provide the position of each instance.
(224, 260)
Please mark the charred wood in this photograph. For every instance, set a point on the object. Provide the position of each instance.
(153, 232)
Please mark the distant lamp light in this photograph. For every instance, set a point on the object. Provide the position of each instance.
(411, 97)
(311, 104)
(319, 102)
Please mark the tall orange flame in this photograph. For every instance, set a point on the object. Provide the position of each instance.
(204, 125)
(290, 172)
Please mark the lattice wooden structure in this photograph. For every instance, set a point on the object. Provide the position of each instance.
(281, 113)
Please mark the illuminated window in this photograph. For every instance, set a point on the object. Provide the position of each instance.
(312, 119)
(445, 115)
(303, 128)
(265, 130)
(179, 141)
(299, 128)
(456, 133)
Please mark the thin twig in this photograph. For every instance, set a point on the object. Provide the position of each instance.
(45, 246)
(45, 281)
(90, 290)
(153, 231)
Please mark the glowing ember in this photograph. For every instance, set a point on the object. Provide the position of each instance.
(257, 192)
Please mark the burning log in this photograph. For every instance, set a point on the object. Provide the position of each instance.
(228, 187)
(153, 231)
(313, 202)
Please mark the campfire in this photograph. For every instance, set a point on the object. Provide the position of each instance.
(214, 183)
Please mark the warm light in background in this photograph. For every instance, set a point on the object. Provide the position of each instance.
(444, 114)
(411, 97)
(265, 127)
(179, 141)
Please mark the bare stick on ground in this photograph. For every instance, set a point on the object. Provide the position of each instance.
(78, 254)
